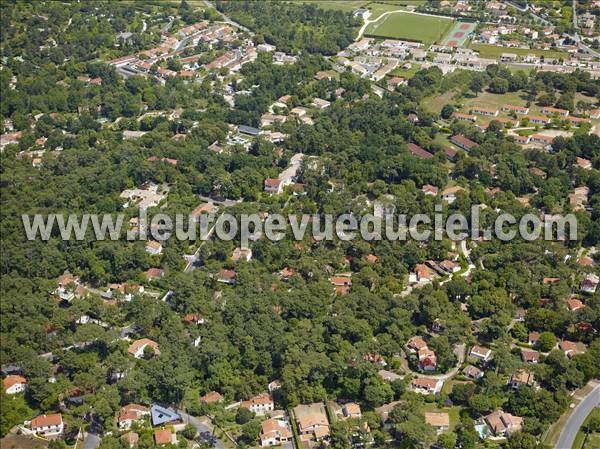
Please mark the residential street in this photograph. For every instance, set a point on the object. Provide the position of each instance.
(204, 431)
(567, 436)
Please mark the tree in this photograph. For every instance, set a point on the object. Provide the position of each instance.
(447, 111)
(546, 342)
(243, 415)
(498, 85)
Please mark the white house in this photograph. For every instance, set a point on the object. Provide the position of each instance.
(261, 404)
(479, 352)
(14, 384)
(48, 425)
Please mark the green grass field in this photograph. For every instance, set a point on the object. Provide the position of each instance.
(416, 27)
(593, 439)
(493, 51)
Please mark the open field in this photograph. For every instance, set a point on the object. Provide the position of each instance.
(494, 52)
(12, 441)
(399, 25)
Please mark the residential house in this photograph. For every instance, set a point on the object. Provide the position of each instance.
(472, 372)
(439, 421)
(312, 422)
(389, 376)
(461, 141)
(419, 152)
(131, 439)
(164, 436)
(274, 432)
(153, 247)
(319, 103)
(449, 266)
(227, 276)
(521, 377)
(384, 412)
(481, 353)
(570, 349)
(423, 385)
(153, 274)
(427, 359)
(542, 139)
(260, 405)
(503, 424)
(464, 117)
(530, 356)
(534, 338)
(416, 343)
(521, 110)
(14, 384)
(449, 194)
(48, 425)
(137, 348)
(161, 415)
(551, 111)
(575, 304)
(212, 397)
(130, 414)
(341, 284)
(586, 164)
(428, 189)
(590, 283)
(273, 186)
(521, 140)
(423, 274)
(537, 120)
(485, 111)
(241, 253)
(352, 410)
(396, 81)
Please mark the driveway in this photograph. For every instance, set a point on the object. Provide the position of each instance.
(583, 409)
(204, 431)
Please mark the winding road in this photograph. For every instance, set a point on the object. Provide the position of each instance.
(575, 421)
(204, 430)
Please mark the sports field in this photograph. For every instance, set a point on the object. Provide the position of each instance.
(416, 27)
(459, 34)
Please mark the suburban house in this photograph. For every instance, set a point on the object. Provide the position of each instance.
(503, 424)
(131, 413)
(427, 359)
(542, 139)
(530, 356)
(423, 274)
(449, 194)
(551, 111)
(153, 247)
(138, 347)
(312, 421)
(521, 377)
(586, 164)
(481, 353)
(571, 349)
(273, 186)
(516, 109)
(485, 111)
(537, 120)
(241, 253)
(521, 140)
(341, 284)
(161, 415)
(428, 189)
(205, 208)
(464, 117)
(164, 436)
(423, 385)
(384, 412)
(419, 152)
(574, 304)
(153, 274)
(351, 410)
(227, 276)
(273, 432)
(261, 404)
(590, 283)
(131, 439)
(534, 338)
(14, 384)
(472, 372)
(440, 421)
(416, 343)
(48, 425)
(212, 397)
(461, 141)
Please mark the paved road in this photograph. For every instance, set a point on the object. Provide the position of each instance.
(228, 20)
(204, 431)
(91, 441)
(567, 436)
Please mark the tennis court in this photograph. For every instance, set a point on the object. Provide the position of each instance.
(459, 34)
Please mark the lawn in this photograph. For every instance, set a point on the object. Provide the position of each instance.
(493, 51)
(401, 25)
(453, 412)
(406, 73)
(593, 439)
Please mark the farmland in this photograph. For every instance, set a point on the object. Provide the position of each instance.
(403, 25)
